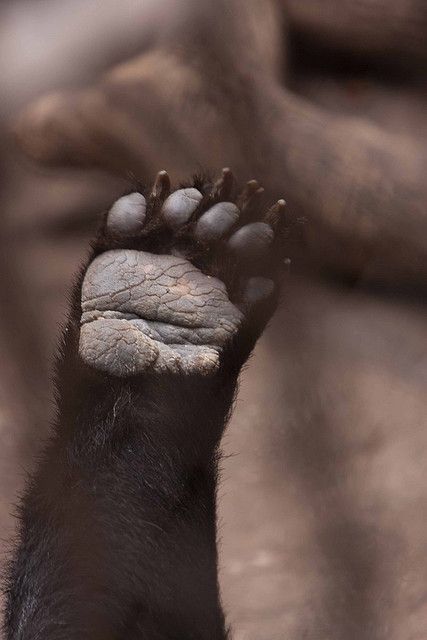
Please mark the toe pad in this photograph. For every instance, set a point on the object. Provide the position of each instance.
(252, 239)
(180, 205)
(126, 217)
(257, 290)
(216, 222)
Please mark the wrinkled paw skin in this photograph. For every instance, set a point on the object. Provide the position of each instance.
(141, 310)
(156, 310)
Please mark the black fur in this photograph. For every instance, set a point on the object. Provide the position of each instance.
(117, 534)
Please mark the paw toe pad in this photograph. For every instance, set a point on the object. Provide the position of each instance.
(216, 222)
(257, 289)
(180, 205)
(252, 239)
(127, 216)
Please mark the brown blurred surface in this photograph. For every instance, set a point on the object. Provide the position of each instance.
(323, 502)
(322, 499)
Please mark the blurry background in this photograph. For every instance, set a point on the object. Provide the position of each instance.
(323, 502)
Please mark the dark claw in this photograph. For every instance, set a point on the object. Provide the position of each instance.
(275, 215)
(162, 185)
(249, 194)
(224, 187)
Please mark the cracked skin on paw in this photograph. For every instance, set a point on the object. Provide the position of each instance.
(157, 312)
(146, 311)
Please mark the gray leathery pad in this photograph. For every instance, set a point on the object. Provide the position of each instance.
(180, 205)
(127, 215)
(252, 239)
(216, 222)
(145, 311)
(258, 289)
(116, 346)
